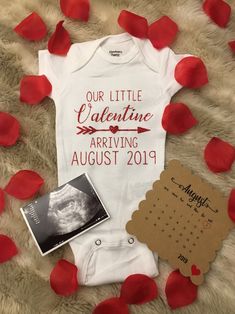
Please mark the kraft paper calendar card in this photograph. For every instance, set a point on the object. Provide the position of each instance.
(183, 219)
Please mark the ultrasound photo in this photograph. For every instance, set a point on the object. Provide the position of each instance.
(63, 214)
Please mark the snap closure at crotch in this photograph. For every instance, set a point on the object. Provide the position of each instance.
(98, 242)
(131, 240)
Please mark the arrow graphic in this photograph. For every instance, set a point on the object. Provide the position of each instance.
(113, 129)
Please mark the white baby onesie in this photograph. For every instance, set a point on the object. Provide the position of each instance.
(110, 95)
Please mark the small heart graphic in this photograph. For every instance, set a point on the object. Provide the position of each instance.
(195, 271)
(113, 129)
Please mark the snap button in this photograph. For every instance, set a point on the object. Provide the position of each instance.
(131, 240)
(98, 242)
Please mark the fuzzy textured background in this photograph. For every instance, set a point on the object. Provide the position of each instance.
(24, 285)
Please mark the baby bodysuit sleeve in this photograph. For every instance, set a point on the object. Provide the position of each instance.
(168, 62)
(53, 67)
(164, 62)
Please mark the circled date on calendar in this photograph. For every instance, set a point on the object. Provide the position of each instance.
(114, 157)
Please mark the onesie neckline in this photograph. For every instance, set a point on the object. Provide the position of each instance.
(80, 53)
(118, 38)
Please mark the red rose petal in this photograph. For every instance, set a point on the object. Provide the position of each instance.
(60, 42)
(63, 278)
(218, 10)
(9, 129)
(76, 9)
(180, 291)
(34, 88)
(111, 306)
(232, 45)
(24, 184)
(32, 27)
(219, 155)
(138, 289)
(162, 32)
(191, 72)
(177, 118)
(2, 201)
(8, 249)
(133, 24)
(231, 205)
